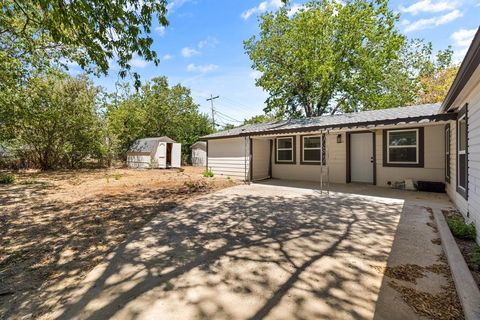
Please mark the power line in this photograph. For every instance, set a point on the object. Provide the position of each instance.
(213, 110)
(227, 116)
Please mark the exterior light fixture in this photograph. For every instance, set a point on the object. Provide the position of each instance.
(339, 138)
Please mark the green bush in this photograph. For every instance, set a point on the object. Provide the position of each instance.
(7, 178)
(460, 229)
(208, 173)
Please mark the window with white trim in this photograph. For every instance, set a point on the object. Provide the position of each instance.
(285, 152)
(313, 149)
(403, 146)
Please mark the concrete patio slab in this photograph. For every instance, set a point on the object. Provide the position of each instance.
(266, 251)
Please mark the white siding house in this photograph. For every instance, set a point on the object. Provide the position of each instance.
(463, 154)
(437, 146)
(338, 149)
(229, 157)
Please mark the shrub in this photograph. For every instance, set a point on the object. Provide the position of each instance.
(7, 178)
(460, 229)
(208, 173)
(117, 176)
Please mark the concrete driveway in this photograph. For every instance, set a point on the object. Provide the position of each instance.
(265, 251)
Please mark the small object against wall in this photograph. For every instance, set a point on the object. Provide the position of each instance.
(429, 186)
(409, 185)
(339, 138)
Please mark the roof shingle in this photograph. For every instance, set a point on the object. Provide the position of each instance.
(328, 121)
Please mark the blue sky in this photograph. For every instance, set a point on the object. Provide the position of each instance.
(202, 48)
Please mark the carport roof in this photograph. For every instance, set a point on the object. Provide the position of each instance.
(424, 112)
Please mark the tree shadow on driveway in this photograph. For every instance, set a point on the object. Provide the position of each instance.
(247, 253)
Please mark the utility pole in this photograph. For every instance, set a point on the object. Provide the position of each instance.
(213, 110)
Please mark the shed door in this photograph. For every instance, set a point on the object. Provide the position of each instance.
(176, 155)
(361, 157)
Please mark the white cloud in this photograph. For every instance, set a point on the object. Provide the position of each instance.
(262, 7)
(208, 42)
(160, 30)
(431, 22)
(204, 68)
(463, 37)
(167, 57)
(175, 4)
(138, 62)
(188, 52)
(461, 41)
(429, 6)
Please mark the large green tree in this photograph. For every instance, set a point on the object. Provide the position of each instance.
(331, 56)
(54, 121)
(157, 109)
(92, 33)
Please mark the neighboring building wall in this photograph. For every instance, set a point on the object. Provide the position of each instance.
(434, 166)
(260, 158)
(471, 208)
(226, 157)
(199, 155)
(336, 159)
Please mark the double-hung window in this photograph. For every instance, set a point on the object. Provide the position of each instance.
(285, 150)
(462, 149)
(403, 147)
(313, 149)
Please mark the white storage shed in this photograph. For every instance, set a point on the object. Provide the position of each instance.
(158, 152)
(199, 154)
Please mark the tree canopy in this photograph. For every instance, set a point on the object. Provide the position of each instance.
(157, 109)
(334, 56)
(92, 33)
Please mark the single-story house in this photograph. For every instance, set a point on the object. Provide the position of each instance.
(199, 154)
(157, 152)
(433, 142)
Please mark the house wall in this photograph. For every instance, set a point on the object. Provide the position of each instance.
(434, 155)
(260, 158)
(469, 208)
(336, 158)
(226, 157)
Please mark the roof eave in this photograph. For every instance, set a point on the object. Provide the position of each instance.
(432, 118)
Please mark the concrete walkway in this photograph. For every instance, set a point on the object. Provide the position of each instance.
(273, 251)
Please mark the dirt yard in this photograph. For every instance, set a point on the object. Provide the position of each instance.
(57, 226)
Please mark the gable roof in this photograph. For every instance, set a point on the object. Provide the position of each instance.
(416, 113)
(148, 144)
(469, 64)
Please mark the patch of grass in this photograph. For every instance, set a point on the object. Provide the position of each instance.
(7, 178)
(460, 229)
(208, 173)
(196, 186)
(475, 258)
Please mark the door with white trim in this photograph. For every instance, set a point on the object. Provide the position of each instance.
(361, 157)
